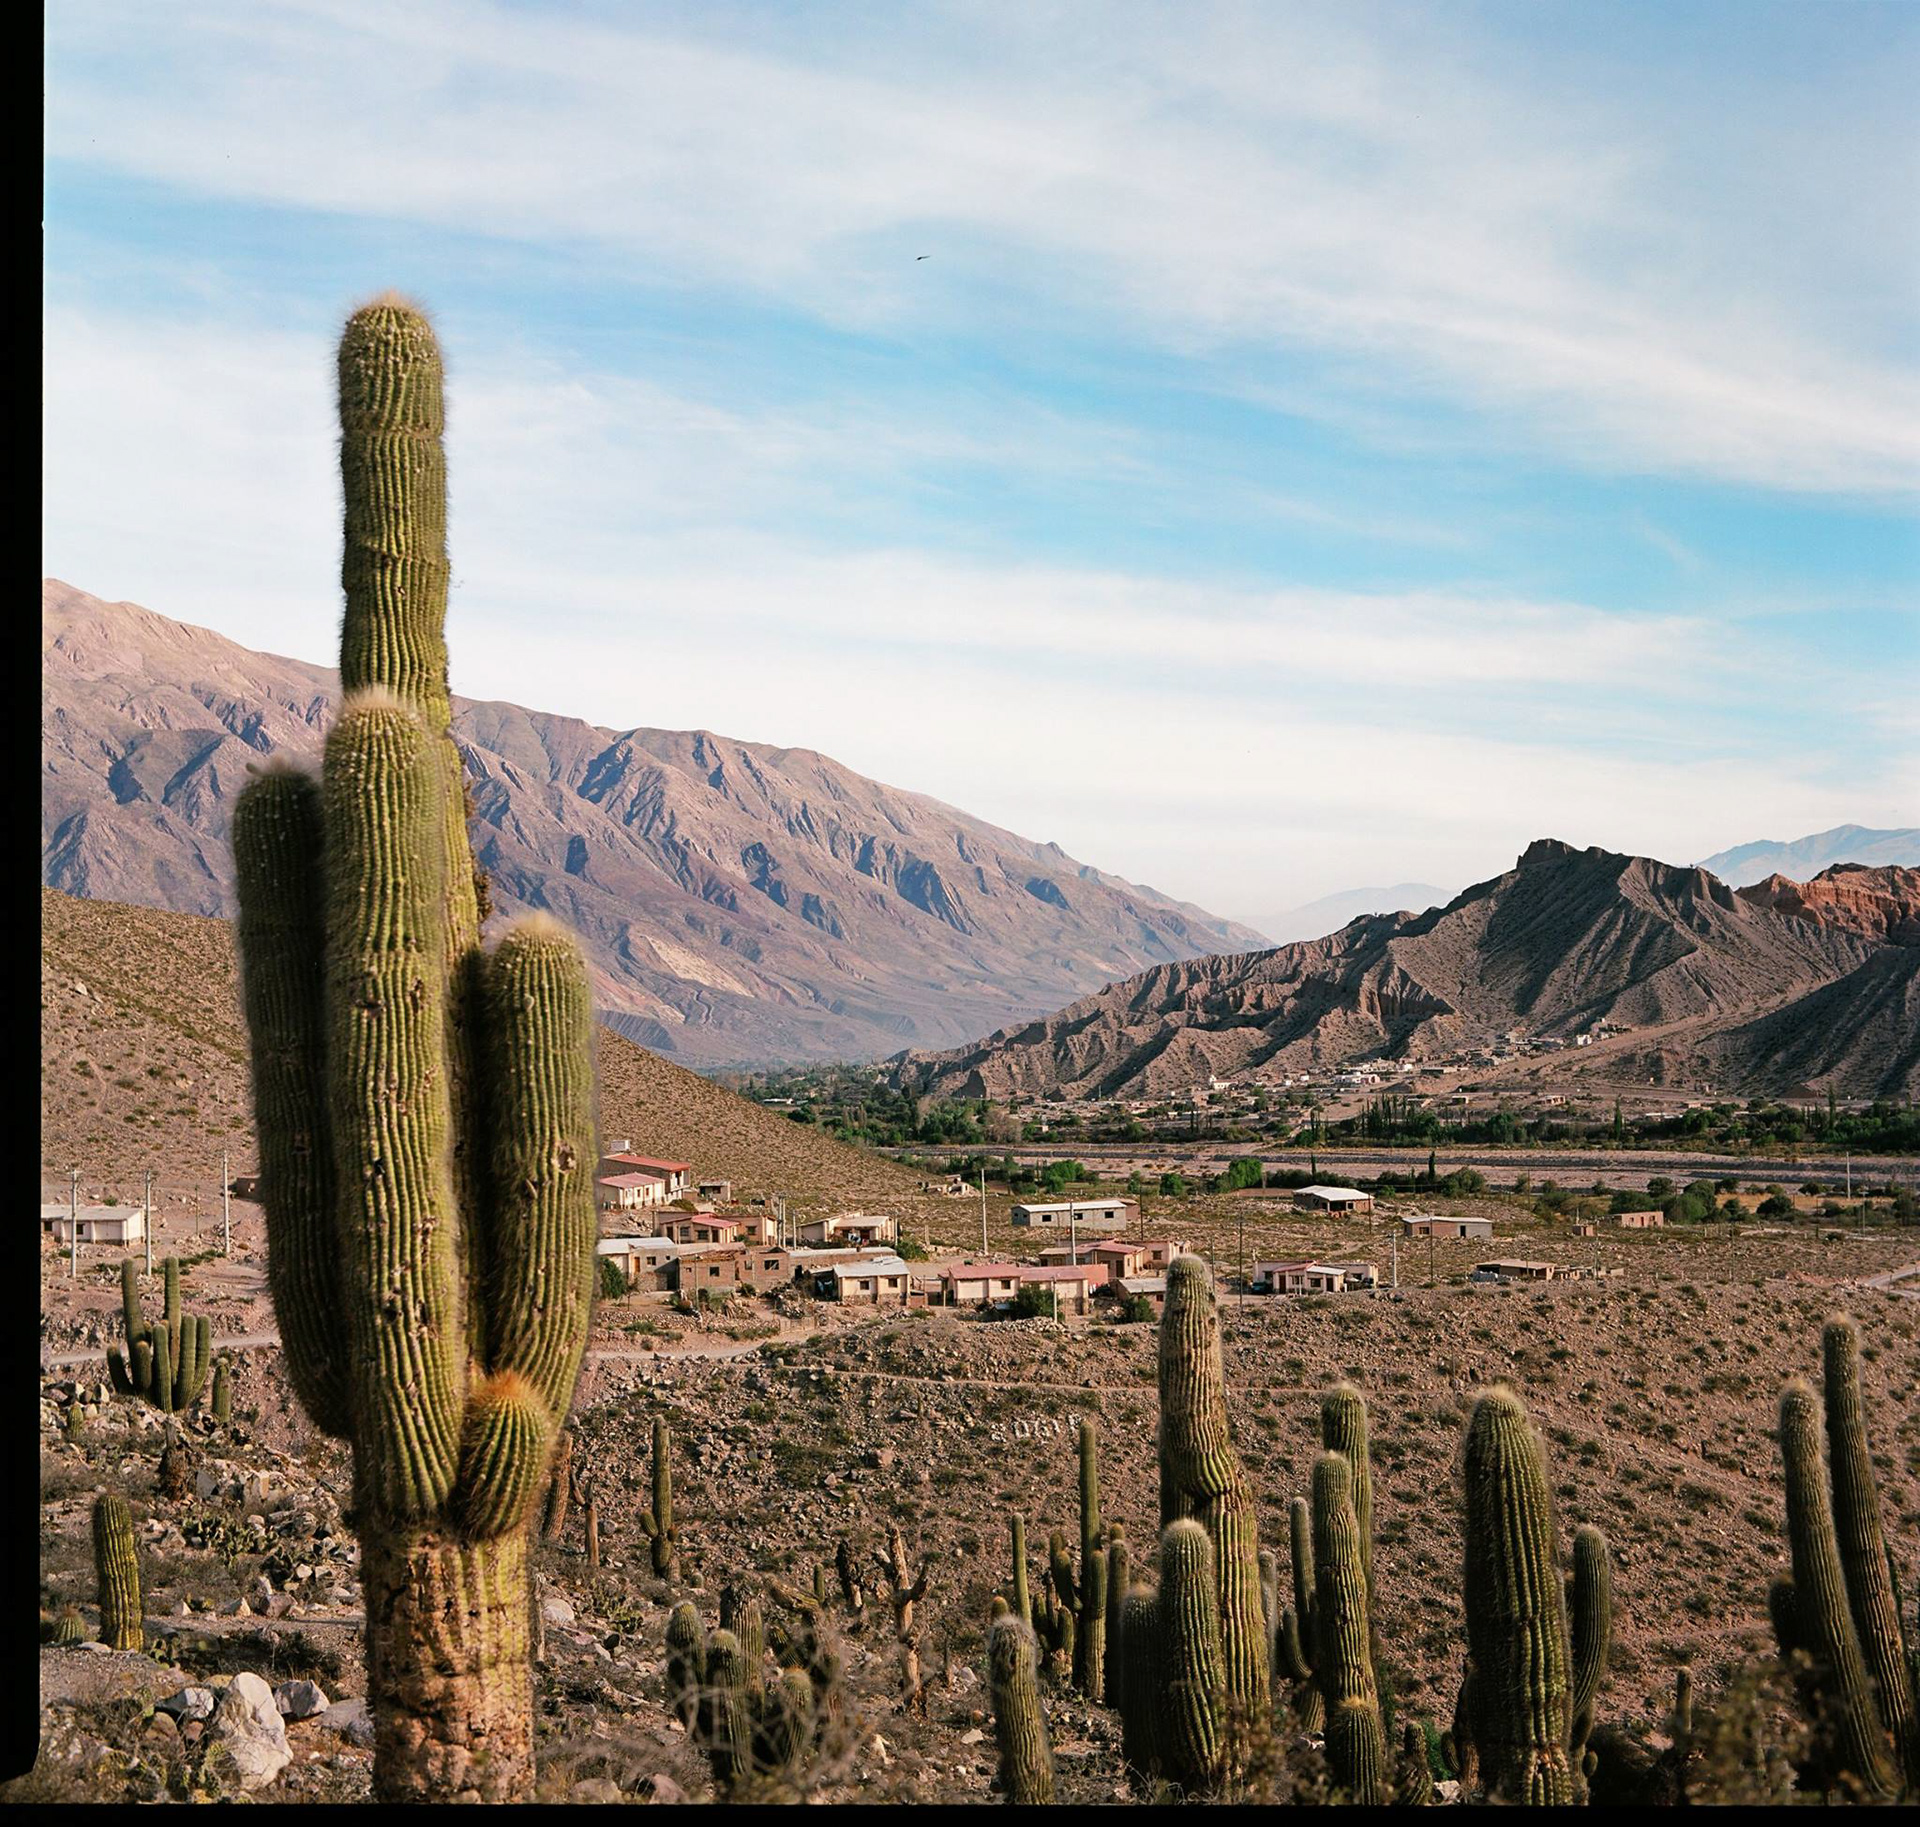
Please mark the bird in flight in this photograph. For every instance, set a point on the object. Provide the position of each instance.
(920, 256)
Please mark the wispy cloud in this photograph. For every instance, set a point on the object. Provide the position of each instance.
(1233, 183)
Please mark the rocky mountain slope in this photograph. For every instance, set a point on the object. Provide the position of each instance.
(144, 1066)
(741, 904)
(1802, 857)
(1877, 903)
(1566, 938)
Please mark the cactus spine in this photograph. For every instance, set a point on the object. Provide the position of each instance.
(1019, 1725)
(426, 1124)
(1355, 1738)
(1521, 1716)
(658, 1525)
(1201, 1477)
(1817, 1604)
(117, 1568)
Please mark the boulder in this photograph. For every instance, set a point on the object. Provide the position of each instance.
(597, 1789)
(247, 1723)
(188, 1703)
(351, 1719)
(300, 1699)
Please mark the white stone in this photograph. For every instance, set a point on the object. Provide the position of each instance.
(300, 1699)
(248, 1724)
(188, 1703)
(556, 1611)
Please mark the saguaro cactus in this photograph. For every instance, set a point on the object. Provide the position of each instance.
(426, 1123)
(1356, 1739)
(1117, 1572)
(1140, 1683)
(166, 1364)
(1089, 1649)
(1201, 1477)
(222, 1391)
(1837, 1619)
(1520, 1715)
(1019, 1725)
(1191, 1732)
(117, 1568)
(657, 1524)
(686, 1662)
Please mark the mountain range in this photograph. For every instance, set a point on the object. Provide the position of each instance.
(741, 904)
(1803, 857)
(1790, 988)
(1331, 912)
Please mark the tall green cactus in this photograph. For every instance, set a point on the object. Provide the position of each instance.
(1089, 1650)
(1841, 1576)
(1201, 1477)
(222, 1392)
(1521, 1716)
(1019, 1724)
(1590, 1608)
(165, 1365)
(1117, 1582)
(726, 1717)
(657, 1525)
(686, 1662)
(1350, 1696)
(425, 1113)
(116, 1566)
(1018, 1593)
(1140, 1682)
(1192, 1728)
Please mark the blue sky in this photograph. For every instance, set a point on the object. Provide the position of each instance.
(1324, 444)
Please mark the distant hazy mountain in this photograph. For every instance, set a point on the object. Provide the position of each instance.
(1803, 985)
(1315, 919)
(740, 904)
(1803, 858)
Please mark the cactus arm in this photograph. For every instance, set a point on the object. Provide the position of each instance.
(117, 1371)
(1343, 1430)
(130, 1300)
(163, 1384)
(1300, 1540)
(1862, 1542)
(1516, 1611)
(1118, 1570)
(1019, 1725)
(503, 1453)
(1019, 1597)
(1356, 1743)
(1093, 1626)
(389, 1107)
(1820, 1589)
(539, 1032)
(281, 941)
(1591, 1607)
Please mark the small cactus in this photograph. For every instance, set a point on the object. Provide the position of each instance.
(222, 1392)
(1117, 1571)
(69, 1627)
(1019, 1725)
(117, 1568)
(726, 1716)
(1139, 1641)
(1413, 1775)
(686, 1662)
(657, 1524)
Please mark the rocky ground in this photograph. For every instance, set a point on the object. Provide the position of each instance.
(794, 1431)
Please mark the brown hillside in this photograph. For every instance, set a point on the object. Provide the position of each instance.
(1877, 903)
(1564, 939)
(144, 1065)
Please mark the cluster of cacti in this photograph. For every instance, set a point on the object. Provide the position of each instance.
(657, 1524)
(1325, 1641)
(1019, 1723)
(905, 1589)
(755, 1732)
(1837, 1616)
(166, 1364)
(116, 1567)
(1527, 1699)
(425, 1113)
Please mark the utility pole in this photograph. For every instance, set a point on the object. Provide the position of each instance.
(1393, 1243)
(226, 1207)
(983, 1215)
(73, 1226)
(1429, 1256)
(146, 1221)
(1243, 1256)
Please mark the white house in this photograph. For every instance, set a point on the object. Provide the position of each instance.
(1092, 1214)
(122, 1224)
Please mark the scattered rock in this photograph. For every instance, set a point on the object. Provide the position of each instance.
(246, 1721)
(351, 1719)
(300, 1699)
(662, 1788)
(189, 1703)
(556, 1611)
(597, 1789)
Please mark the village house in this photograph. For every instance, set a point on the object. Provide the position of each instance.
(720, 1192)
(971, 1284)
(1427, 1224)
(619, 1160)
(1073, 1285)
(1312, 1277)
(1076, 1214)
(121, 1224)
(1346, 1201)
(709, 1268)
(1640, 1221)
(1516, 1269)
(629, 1191)
(856, 1229)
(646, 1262)
(1152, 1287)
(1120, 1257)
(876, 1281)
(1583, 1227)
(710, 1227)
